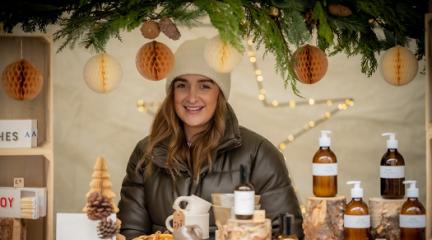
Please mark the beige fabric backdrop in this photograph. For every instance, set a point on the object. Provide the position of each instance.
(88, 124)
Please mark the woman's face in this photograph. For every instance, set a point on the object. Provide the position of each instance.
(195, 100)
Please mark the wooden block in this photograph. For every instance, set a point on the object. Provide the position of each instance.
(12, 229)
(324, 218)
(385, 217)
(246, 230)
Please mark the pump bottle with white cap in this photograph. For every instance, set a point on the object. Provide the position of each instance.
(324, 168)
(392, 170)
(356, 215)
(412, 218)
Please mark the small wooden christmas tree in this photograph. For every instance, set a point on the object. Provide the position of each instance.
(101, 183)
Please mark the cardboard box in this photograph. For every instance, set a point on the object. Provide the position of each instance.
(18, 133)
(13, 206)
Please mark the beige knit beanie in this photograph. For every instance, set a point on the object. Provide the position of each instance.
(189, 59)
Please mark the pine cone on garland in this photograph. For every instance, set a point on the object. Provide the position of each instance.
(98, 206)
(169, 28)
(107, 228)
(150, 29)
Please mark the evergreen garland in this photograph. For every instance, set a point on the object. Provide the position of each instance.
(93, 22)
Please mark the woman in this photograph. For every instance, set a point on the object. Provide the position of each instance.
(196, 147)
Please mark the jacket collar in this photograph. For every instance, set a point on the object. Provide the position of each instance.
(230, 140)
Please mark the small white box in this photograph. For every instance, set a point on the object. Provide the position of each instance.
(18, 133)
(10, 202)
(72, 226)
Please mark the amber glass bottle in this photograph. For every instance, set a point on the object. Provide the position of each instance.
(356, 215)
(412, 218)
(324, 168)
(244, 196)
(286, 227)
(392, 170)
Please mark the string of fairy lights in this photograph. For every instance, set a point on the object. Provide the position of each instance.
(336, 104)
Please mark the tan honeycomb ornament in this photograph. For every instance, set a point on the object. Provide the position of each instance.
(310, 64)
(22, 80)
(398, 66)
(154, 60)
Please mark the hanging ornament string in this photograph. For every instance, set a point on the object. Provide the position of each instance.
(342, 103)
(21, 49)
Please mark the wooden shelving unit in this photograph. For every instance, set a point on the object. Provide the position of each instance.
(428, 122)
(36, 165)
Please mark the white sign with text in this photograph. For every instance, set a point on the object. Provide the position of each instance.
(18, 133)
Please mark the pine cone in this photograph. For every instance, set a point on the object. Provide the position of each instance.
(150, 29)
(98, 206)
(169, 28)
(107, 228)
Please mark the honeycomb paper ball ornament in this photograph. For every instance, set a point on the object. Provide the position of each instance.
(102, 73)
(398, 66)
(154, 60)
(221, 56)
(22, 80)
(310, 64)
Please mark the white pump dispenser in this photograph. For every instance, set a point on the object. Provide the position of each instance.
(324, 140)
(412, 191)
(392, 142)
(356, 191)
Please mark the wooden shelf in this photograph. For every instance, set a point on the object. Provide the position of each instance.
(428, 121)
(44, 150)
(36, 165)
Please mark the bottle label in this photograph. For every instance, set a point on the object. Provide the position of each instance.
(244, 202)
(412, 221)
(357, 221)
(392, 171)
(324, 169)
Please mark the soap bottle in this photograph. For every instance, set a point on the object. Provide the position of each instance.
(392, 170)
(356, 215)
(286, 222)
(324, 168)
(412, 218)
(244, 196)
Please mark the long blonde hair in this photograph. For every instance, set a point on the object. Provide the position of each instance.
(168, 127)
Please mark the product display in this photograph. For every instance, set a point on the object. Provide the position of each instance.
(244, 196)
(324, 168)
(392, 170)
(356, 218)
(412, 218)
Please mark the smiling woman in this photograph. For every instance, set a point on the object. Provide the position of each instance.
(196, 146)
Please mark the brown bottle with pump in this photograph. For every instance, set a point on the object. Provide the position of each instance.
(324, 168)
(244, 196)
(285, 227)
(412, 218)
(356, 215)
(392, 170)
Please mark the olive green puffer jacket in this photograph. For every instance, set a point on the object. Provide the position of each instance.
(146, 203)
